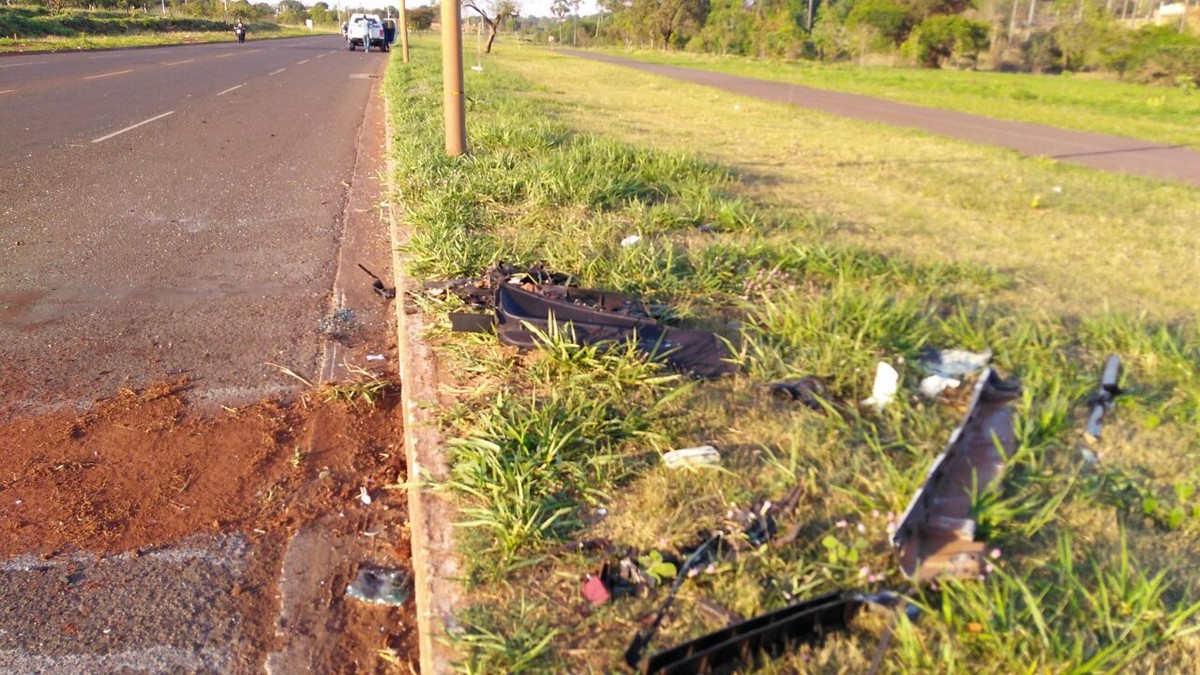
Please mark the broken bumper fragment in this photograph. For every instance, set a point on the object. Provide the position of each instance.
(936, 534)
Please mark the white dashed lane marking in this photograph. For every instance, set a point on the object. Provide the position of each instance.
(132, 127)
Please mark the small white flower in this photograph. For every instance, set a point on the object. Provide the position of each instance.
(861, 528)
(841, 524)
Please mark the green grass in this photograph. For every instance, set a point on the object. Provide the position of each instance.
(1080, 102)
(909, 195)
(1085, 580)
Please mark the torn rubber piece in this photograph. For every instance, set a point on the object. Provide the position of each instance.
(1102, 402)
(936, 534)
(698, 352)
(768, 635)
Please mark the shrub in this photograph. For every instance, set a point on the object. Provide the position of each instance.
(1156, 54)
(945, 38)
(892, 20)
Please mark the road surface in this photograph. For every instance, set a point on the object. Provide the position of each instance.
(171, 210)
(191, 211)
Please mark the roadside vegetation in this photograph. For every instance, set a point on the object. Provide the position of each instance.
(41, 28)
(817, 246)
(1084, 103)
(1154, 42)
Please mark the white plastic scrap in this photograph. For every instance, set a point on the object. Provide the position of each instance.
(936, 384)
(887, 381)
(705, 455)
(949, 368)
(957, 363)
(364, 496)
(631, 240)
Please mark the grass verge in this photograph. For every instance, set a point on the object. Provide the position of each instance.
(1084, 103)
(562, 445)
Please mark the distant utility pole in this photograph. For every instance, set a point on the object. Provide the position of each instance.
(404, 30)
(453, 97)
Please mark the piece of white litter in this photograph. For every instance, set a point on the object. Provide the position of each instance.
(1057, 189)
(957, 363)
(705, 455)
(364, 496)
(631, 240)
(934, 385)
(375, 357)
(883, 392)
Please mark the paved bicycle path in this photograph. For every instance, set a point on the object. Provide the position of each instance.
(1098, 151)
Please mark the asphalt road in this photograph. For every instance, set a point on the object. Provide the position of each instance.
(171, 210)
(1098, 151)
(178, 211)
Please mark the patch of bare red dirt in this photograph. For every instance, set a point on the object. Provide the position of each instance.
(142, 469)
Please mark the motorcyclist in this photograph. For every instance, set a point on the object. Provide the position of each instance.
(240, 31)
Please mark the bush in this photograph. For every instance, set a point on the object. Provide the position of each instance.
(1042, 54)
(1156, 54)
(946, 38)
(892, 20)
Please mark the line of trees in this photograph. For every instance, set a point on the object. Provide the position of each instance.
(1038, 35)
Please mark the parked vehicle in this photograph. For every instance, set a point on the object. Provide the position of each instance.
(366, 31)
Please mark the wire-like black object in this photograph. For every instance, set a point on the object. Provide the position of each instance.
(642, 640)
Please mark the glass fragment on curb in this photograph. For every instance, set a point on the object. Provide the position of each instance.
(380, 586)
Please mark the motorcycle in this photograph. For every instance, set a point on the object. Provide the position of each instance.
(240, 32)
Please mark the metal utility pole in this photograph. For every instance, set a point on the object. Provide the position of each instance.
(404, 31)
(453, 98)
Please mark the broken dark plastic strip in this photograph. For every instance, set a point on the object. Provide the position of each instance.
(768, 634)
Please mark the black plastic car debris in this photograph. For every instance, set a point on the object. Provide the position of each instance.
(809, 391)
(936, 534)
(768, 635)
(1102, 402)
(518, 310)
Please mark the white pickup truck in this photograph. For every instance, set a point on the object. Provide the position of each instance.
(366, 31)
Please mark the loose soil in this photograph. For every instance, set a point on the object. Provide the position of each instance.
(143, 470)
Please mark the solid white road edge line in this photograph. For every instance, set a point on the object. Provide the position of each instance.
(132, 127)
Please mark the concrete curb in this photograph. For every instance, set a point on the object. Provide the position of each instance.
(431, 515)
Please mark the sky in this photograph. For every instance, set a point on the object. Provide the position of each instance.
(528, 7)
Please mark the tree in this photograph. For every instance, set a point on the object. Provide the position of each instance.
(499, 10)
(575, 4)
(559, 9)
(421, 18)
